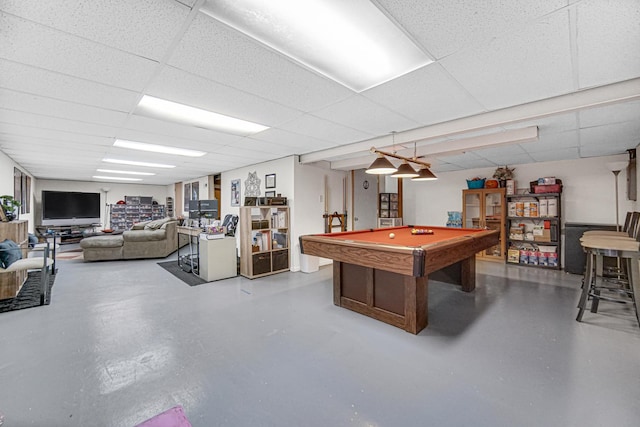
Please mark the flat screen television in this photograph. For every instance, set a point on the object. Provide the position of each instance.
(70, 208)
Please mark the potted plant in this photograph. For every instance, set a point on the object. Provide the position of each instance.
(503, 173)
(10, 207)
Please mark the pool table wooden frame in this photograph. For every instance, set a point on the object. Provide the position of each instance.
(389, 282)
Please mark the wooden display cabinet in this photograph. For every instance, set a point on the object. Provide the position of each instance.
(485, 208)
(264, 240)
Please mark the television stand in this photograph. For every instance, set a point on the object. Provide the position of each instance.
(67, 233)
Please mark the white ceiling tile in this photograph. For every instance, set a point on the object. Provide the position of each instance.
(628, 111)
(54, 135)
(557, 154)
(23, 102)
(187, 88)
(360, 113)
(551, 142)
(39, 121)
(150, 126)
(511, 70)
(143, 27)
(302, 143)
(325, 130)
(615, 135)
(32, 80)
(608, 41)
(50, 49)
(447, 26)
(550, 125)
(467, 160)
(222, 54)
(428, 95)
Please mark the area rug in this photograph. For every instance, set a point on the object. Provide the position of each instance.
(188, 278)
(29, 295)
(72, 255)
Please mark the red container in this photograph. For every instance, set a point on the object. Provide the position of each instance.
(541, 189)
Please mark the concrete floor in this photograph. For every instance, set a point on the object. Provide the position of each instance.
(125, 340)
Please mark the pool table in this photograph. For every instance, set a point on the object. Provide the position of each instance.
(385, 276)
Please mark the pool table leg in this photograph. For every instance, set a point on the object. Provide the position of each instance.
(468, 273)
(416, 294)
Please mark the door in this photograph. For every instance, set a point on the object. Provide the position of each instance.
(365, 200)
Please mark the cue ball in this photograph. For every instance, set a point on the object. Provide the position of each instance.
(392, 235)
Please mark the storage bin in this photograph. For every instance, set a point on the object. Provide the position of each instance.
(475, 184)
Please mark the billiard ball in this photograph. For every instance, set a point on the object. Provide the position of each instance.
(392, 235)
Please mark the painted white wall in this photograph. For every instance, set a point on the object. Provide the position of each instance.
(588, 194)
(116, 192)
(309, 194)
(6, 185)
(284, 170)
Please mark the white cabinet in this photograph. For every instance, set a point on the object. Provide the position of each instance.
(218, 258)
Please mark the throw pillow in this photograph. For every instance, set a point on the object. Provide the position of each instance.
(140, 225)
(156, 224)
(9, 253)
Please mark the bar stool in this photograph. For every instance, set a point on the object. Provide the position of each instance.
(628, 251)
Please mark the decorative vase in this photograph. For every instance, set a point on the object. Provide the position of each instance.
(503, 183)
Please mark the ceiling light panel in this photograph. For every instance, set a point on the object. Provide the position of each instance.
(133, 145)
(134, 163)
(124, 172)
(116, 178)
(156, 107)
(351, 42)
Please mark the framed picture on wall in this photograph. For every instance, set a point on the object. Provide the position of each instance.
(270, 181)
(235, 192)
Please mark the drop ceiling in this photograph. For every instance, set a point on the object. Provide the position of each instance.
(72, 73)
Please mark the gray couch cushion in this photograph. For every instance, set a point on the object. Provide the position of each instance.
(156, 224)
(102, 242)
(144, 235)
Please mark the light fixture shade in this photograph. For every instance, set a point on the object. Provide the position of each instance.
(425, 174)
(617, 166)
(405, 171)
(381, 166)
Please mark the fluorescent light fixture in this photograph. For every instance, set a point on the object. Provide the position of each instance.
(351, 42)
(156, 107)
(134, 163)
(117, 178)
(125, 172)
(133, 145)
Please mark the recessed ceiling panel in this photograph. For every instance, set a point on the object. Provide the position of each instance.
(614, 135)
(616, 113)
